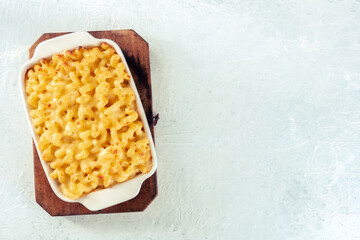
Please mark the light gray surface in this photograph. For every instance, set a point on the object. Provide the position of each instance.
(259, 136)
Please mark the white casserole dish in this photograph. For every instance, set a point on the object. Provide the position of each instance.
(119, 192)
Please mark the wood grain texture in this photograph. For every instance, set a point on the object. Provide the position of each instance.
(136, 52)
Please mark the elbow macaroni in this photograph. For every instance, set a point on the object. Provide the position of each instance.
(84, 113)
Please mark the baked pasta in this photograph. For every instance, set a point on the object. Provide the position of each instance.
(84, 114)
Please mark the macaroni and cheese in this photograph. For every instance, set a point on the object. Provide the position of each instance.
(84, 114)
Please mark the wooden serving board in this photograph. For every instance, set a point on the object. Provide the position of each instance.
(136, 51)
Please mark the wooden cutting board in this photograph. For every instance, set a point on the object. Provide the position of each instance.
(136, 51)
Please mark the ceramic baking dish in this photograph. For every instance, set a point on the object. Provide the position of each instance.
(119, 192)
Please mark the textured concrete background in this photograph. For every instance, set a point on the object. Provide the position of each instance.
(259, 136)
